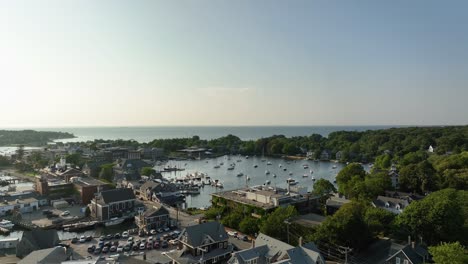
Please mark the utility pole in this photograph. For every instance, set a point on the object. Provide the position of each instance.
(287, 222)
(345, 250)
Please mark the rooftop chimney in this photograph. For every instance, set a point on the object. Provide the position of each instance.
(253, 243)
(412, 244)
(300, 241)
(409, 240)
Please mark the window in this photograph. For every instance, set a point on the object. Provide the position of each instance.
(397, 260)
(405, 261)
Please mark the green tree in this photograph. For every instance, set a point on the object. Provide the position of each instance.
(440, 216)
(20, 152)
(346, 174)
(249, 225)
(75, 159)
(274, 225)
(417, 177)
(232, 220)
(147, 171)
(383, 161)
(323, 187)
(449, 253)
(107, 172)
(346, 227)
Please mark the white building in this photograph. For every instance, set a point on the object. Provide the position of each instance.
(22, 205)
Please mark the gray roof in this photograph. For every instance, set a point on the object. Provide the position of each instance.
(271, 250)
(49, 256)
(196, 234)
(382, 200)
(416, 255)
(116, 195)
(156, 212)
(37, 239)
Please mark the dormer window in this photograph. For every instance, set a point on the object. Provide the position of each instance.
(387, 205)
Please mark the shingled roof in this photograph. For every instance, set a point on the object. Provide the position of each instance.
(197, 233)
(117, 195)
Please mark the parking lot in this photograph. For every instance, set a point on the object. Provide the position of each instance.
(136, 250)
(41, 220)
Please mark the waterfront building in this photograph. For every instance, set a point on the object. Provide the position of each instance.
(203, 243)
(88, 187)
(325, 155)
(35, 240)
(264, 199)
(161, 192)
(153, 218)
(266, 249)
(113, 203)
(129, 169)
(54, 255)
(27, 205)
(335, 202)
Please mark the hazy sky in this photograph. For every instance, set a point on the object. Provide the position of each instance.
(99, 63)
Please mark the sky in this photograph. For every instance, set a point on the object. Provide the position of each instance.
(243, 62)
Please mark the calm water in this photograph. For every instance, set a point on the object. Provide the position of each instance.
(146, 134)
(257, 175)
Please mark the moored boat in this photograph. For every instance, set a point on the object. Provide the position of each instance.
(114, 221)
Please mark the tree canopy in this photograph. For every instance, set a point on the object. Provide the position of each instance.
(440, 216)
(449, 253)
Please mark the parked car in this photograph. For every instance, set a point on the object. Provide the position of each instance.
(141, 233)
(149, 245)
(105, 249)
(125, 234)
(74, 240)
(89, 238)
(113, 249)
(91, 248)
(232, 233)
(97, 250)
(136, 246)
(82, 239)
(166, 237)
(117, 236)
(120, 248)
(150, 238)
(177, 232)
(160, 230)
(158, 238)
(109, 237)
(243, 238)
(153, 232)
(102, 238)
(100, 244)
(142, 246)
(107, 244)
(127, 247)
(130, 239)
(65, 213)
(164, 244)
(156, 244)
(167, 229)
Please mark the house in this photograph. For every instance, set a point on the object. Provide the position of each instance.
(393, 174)
(430, 149)
(325, 155)
(6, 243)
(26, 205)
(54, 255)
(334, 203)
(35, 240)
(113, 203)
(409, 254)
(152, 153)
(129, 169)
(339, 155)
(410, 197)
(266, 249)
(93, 168)
(310, 154)
(162, 192)
(204, 243)
(153, 218)
(70, 173)
(394, 205)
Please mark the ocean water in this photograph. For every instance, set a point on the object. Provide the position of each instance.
(147, 134)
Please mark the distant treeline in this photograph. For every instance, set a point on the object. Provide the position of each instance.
(30, 137)
(353, 146)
